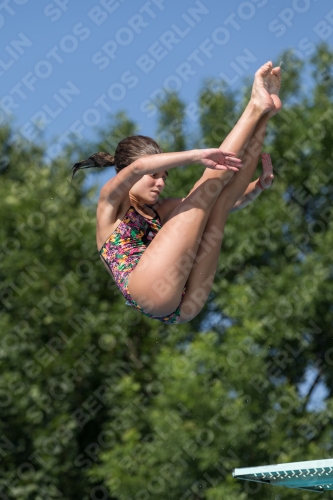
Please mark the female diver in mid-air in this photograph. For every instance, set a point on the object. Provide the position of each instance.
(164, 262)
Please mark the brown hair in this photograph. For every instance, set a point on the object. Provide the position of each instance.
(128, 150)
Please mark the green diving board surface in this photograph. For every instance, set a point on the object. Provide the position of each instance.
(315, 475)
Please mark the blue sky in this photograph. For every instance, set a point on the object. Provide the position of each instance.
(65, 66)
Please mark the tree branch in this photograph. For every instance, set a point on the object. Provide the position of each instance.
(315, 382)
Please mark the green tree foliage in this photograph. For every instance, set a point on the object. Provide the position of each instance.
(67, 336)
(100, 402)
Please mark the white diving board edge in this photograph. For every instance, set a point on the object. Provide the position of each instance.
(313, 475)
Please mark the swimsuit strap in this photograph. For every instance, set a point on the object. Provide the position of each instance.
(155, 212)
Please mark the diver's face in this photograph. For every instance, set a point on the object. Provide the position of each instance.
(149, 187)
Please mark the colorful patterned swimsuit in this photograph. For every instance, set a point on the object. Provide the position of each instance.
(123, 249)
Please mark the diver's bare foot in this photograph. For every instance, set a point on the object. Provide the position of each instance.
(260, 96)
(274, 85)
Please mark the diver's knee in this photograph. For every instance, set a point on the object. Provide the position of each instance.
(188, 311)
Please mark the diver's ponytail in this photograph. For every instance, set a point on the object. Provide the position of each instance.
(98, 160)
(128, 150)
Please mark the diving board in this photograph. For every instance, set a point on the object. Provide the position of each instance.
(315, 475)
